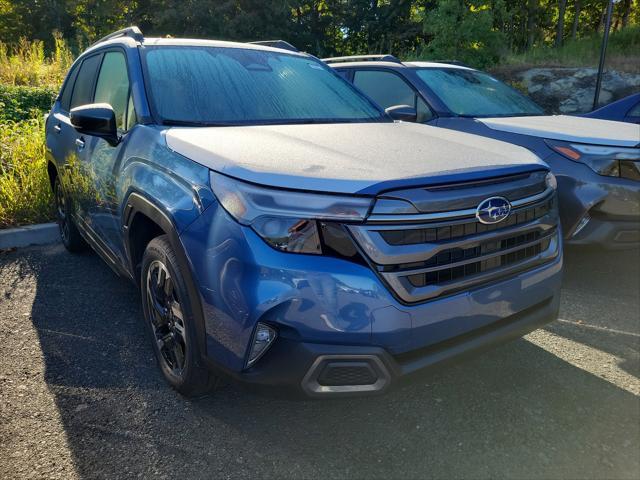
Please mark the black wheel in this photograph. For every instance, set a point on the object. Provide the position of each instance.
(69, 234)
(169, 316)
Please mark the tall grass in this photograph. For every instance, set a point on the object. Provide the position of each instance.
(29, 81)
(25, 192)
(27, 64)
(623, 52)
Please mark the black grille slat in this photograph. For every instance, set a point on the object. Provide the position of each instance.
(461, 230)
(422, 259)
(457, 273)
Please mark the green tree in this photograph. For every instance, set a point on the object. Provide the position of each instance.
(464, 30)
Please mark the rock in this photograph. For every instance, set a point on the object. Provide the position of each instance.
(571, 90)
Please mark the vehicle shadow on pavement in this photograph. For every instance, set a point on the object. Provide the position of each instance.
(517, 411)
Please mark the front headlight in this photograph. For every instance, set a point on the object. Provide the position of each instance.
(286, 219)
(610, 161)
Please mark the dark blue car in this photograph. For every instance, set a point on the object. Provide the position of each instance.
(626, 109)
(596, 162)
(282, 229)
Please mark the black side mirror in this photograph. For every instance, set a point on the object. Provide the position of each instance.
(402, 112)
(96, 119)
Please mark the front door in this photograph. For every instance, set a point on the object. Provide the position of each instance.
(104, 160)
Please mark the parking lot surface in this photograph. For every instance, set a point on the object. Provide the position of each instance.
(81, 397)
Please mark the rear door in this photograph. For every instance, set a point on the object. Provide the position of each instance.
(66, 142)
(388, 89)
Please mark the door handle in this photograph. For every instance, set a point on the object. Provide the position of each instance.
(80, 143)
(57, 128)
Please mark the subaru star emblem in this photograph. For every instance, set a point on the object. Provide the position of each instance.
(493, 210)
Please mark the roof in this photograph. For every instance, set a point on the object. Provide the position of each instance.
(133, 36)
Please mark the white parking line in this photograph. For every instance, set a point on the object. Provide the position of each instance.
(602, 329)
(601, 364)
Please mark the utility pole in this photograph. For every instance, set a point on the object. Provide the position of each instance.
(603, 51)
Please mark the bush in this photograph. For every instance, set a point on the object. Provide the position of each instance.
(22, 103)
(26, 63)
(25, 192)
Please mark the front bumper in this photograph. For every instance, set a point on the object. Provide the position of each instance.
(324, 370)
(595, 209)
(329, 310)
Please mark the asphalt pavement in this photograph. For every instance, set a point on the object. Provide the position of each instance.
(81, 396)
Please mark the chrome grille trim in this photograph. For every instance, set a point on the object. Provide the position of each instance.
(400, 283)
(430, 217)
(382, 253)
(438, 265)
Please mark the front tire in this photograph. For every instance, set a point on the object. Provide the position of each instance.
(69, 234)
(168, 312)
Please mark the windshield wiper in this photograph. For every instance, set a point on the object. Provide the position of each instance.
(196, 123)
(503, 115)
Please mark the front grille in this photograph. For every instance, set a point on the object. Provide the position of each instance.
(428, 256)
(452, 274)
(464, 229)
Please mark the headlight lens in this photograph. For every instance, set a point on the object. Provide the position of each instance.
(609, 161)
(286, 219)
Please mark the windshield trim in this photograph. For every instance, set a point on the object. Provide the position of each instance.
(160, 120)
(462, 115)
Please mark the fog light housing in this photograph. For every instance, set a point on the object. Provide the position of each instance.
(262, 339)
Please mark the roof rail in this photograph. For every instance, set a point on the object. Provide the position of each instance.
(133, 32)
(276, 44)
(451, 62)
(363, 58)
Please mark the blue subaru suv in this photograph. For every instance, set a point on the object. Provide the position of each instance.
(283, 229)
(596, 162)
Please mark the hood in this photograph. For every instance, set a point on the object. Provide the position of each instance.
(360, 158)
(570, 129)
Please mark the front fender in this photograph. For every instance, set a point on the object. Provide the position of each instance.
(176, 185)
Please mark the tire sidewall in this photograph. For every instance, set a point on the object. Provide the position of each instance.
(160, 249)
(59, 190)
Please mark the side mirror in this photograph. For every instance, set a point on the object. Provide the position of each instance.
(96, 119)
(402, 112)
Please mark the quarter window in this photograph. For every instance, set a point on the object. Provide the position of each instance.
(113, 86)
(65, 95)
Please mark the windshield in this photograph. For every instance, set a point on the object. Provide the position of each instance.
(236, 86)
(476, 94)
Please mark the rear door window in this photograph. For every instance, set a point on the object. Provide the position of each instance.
(83, 88)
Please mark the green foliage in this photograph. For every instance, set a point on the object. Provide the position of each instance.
(21, 103)
(463, 31)
(478, 31)
(25, 192)
(25, 63)
(623, 52)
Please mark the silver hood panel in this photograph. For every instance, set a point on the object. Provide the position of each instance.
(344, 158)
(570, 129)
